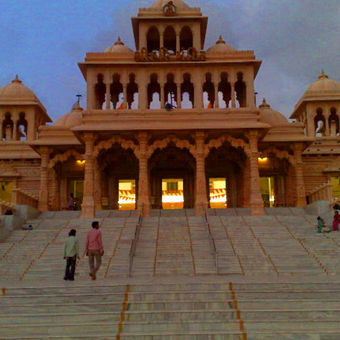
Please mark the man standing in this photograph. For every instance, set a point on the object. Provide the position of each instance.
(71, 253)
(94, 249)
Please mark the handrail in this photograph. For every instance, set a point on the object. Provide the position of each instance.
(211, 239)
(321, 192)
(20, 196)
(135, 240)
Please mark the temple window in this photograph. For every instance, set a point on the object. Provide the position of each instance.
(319, 123)
(170, 91)
(224, 91)
(153, 39)
(100, 90)
(117, 94)
(154, 93)
(208, 92)
(7, 127)
(187, 92)
(132, 92)
(22, 127)
(240, 89)
(333, 123)
(186, 39)
(170, 39)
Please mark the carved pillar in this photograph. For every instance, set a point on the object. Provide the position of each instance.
(300, 183)
(201, 201)
(216, 104)
(108, 94)
(126, 106)
(31, 127)
(43, 192)
(15, 126)
(88, 208)
(179, 96)
(161, 38)
(162, 96)
(97, 187)
(255, 202)
(178, 42)
(327, 125)
(250, 92)
(1, 127)
(142, 88)
(233, 93)
(143, 204)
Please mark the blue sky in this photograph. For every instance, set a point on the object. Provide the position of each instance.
(42, 41)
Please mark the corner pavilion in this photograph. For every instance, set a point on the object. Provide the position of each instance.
(170, 125)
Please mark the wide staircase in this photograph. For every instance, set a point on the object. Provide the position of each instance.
(230, 276)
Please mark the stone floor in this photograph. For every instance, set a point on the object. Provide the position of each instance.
(274, 278)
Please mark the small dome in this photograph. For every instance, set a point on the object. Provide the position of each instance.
(180, 5)
(324, 86)
(71, 119)
(271, 117)
(119, 49)
(220, 48)
(17, 91)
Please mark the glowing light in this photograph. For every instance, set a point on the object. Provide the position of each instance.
(80, 161)
(263, 159)
(172, 199)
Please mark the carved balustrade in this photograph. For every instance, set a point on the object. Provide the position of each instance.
(321, 193)
(4, 206)
(22, 197)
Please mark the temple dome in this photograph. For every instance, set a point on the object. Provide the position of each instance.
(71, 119)
(180, 5)
(323, 86)
(120, 49)
(270, 116)
(16, 90)
(220, 48)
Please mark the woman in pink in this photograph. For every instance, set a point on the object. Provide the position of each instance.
(336, 221)
(94, 249)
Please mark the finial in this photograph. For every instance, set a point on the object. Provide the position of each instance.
(323, 75)
(77, 106)
(78, 96)
(220, 40)
(16, 80)
(119, 42)
(264, 104)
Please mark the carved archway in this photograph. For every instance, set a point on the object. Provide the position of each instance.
(64, 157)
(234, 142)
(107, 144)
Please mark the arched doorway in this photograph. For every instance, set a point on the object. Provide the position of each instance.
(117, 177)
(172, 178)
(225, 169)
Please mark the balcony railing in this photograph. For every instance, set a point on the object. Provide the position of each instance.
(163, 55)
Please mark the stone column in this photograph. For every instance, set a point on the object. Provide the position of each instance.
(161, 38)
(43, 192)
(97, 187)
(250, 92)
(327, 125)
(178, 42)
(143, 204)
(201, 201)
(216, 104)
(142, 90)
(31, 128)
(108, 94)
(1, 127)
(179, 96)
(233, 93)
(255, 201)
(125, 96)
(162, 95)
(15, 118)
(55, 189)
(88, 208)
(300, 183)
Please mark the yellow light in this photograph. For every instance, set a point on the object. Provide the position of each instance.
(262, 159)
(80, 162)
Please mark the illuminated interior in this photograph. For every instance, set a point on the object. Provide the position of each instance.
(127, 194)
(335, 186)
(218, 193)
(268, 191)
(172, 194)
(75, 186)
(6, 191)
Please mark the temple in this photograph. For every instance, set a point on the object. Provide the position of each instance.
(170, 125)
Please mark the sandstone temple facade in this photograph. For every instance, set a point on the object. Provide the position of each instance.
(170, 125)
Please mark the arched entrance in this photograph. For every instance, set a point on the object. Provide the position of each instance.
(117, 172)
(172, 178)
(225, 169)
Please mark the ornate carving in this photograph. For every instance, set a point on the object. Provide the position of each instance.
(64, 157)
(169, 9)
(163, 55)
(281, 154)
(107, 144)
(234, 142)
(162, 144)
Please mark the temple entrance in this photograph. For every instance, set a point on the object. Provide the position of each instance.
(218, 193)
(127, 194)
(75, 186)
(172, 194)
(6, 191)
(172, 178)
(225, 169)
(268, 191)
(117, 179)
